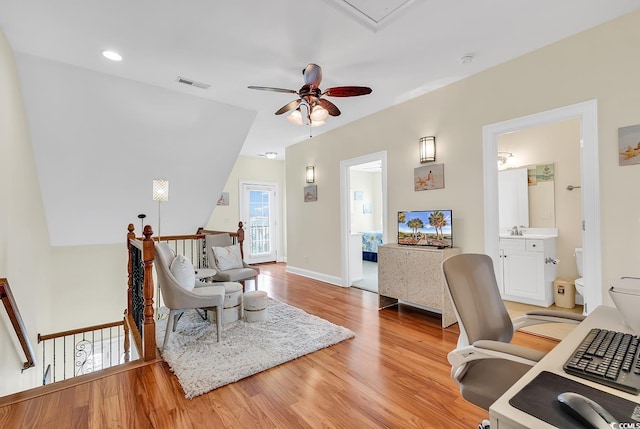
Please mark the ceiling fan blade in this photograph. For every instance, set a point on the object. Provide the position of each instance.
(347, 91)
(268, 88)
(329, 106)
(290, 106)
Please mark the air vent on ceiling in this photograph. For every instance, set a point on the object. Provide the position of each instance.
(192, 82)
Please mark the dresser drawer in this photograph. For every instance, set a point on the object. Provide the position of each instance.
(534, 245)
(512, 243)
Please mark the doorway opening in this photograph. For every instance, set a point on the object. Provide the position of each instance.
(363, 183)
(586, 113)
(258, 209)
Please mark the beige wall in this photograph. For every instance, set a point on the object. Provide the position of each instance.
(369, 183)
(25, 254)
(600, 63)
(559, 144)
(225, 218)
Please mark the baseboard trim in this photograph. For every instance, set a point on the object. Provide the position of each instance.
(337, 281)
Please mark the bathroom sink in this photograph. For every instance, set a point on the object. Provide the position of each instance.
(534, 233)
(540, 236)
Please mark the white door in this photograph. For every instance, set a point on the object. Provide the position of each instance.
(259, 214)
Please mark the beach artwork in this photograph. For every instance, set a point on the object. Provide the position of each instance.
(310, 193)
(629, 145)
(428, 177)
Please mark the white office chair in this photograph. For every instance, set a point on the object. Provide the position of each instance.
(485, 364)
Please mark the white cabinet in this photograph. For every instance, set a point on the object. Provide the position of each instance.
(413, 274)
(527, 270)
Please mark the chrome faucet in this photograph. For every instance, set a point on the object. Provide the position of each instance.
(517, 231)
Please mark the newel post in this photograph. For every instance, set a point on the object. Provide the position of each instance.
(149, 327)
(130, 236)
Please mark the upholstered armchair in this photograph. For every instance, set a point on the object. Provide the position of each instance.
(226, 258)
(181, 291)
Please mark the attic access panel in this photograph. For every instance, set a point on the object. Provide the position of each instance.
(372, 14)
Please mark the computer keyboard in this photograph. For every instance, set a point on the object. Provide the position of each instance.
(608, 357)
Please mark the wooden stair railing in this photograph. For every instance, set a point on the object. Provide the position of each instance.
(139, 315)
(82, 351)
(16, 320)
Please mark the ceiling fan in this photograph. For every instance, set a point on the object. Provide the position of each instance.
(311, 109)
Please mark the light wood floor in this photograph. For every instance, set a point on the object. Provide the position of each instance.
(393, 374)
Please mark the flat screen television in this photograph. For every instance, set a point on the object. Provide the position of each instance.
(426, 228)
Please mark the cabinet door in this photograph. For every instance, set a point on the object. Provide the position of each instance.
(524, 274)
(392, 272)
(425, 282)
(499, 273)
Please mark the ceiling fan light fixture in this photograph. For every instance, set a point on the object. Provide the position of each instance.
(295, 117)
(317, 123)
(318, 113)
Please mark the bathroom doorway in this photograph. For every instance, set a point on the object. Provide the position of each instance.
(363, 217)
(586, 113)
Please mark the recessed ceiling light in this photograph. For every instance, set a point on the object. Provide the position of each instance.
(113, 56)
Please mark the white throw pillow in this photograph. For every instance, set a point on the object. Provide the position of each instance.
(228, 258)
(182, 270)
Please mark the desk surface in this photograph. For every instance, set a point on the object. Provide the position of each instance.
(504, 416)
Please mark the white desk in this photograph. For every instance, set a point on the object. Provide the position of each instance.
(504, 416)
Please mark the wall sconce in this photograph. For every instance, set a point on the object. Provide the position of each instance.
(311, 174)
(427, 149)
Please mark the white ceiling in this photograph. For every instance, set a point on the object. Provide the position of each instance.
(399, 53)
(102, 130)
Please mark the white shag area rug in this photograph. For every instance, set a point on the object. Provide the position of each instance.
(202, 364)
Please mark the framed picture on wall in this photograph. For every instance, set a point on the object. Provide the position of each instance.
(310, 193)
(629, 145)
(428, 177)
(224, 199)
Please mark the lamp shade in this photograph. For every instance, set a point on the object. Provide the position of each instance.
(160, 190)
(427, 149)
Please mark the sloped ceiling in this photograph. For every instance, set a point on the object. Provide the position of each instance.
(100, 140)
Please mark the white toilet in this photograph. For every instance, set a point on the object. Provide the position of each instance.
(579, 281)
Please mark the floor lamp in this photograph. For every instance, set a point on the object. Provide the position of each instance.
(160, 194)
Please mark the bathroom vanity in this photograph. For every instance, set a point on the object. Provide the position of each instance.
(527, 266)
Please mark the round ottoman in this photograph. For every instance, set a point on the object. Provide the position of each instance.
(255, 306)
(232, 306)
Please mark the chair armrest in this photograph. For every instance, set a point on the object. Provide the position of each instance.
(488, 349)
(511, 349)
(547, 316)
